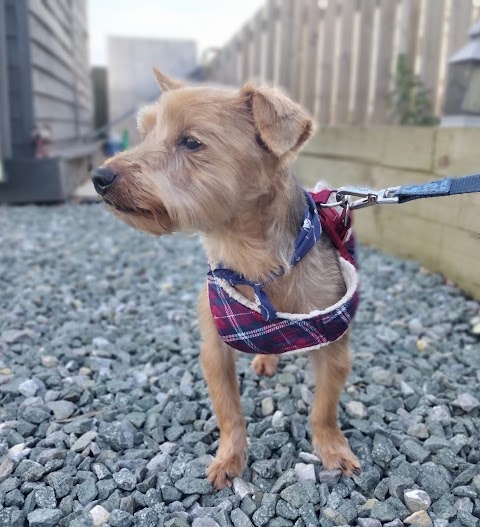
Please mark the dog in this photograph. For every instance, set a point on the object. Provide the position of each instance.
(218, 162)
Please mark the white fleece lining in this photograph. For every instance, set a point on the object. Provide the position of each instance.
(349, 274)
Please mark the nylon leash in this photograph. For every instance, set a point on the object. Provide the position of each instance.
(403, 194)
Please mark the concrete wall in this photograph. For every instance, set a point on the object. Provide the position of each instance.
(442, 233)
(130, 80)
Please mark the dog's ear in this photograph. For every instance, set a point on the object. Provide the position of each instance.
(165, 83)
(282, 124)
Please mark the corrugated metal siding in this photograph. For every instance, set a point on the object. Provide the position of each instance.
(62, 93)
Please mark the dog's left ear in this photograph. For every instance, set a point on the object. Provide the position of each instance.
(282, 124)
(166, 83)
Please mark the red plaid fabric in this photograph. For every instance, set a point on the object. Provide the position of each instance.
(241, 325)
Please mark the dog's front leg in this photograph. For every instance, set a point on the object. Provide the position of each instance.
(218, 363)
(332, 366)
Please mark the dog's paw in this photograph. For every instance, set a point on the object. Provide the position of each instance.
(335, 453)
(222, 470)
(265, 365)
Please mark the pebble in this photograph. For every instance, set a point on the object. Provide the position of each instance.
(268, 406)
(83, 441)
(100, 516)
(44, 518)
(419, 519)
(243, 488)
(240, 519)
(62, 409)
(45, 498)
(305, 472)
(356, 409)
(30, 387)
(466, 402)
(125, 479)
(417, 500)
(120, 518)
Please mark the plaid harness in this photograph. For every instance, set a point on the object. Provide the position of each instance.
(256, 327)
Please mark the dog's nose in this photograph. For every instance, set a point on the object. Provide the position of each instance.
(103, 179)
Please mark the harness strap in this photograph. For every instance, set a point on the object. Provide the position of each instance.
(443, 187)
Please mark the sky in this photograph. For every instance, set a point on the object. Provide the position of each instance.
(210, 22)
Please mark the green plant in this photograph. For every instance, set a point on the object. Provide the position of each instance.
(412, 105)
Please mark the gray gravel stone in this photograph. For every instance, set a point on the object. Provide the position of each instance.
(45, 498)
(466, 402)
(383, 512)
(369, 522)
(300, 493)
(417, 500)
(125, 479)
(414, 451)
(240, 519)
(87, 492)
(44, 518)
(189, 485)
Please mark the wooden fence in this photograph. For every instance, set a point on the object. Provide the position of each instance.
(337, 57)
(442, 233)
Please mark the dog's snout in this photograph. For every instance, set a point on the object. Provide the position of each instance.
(103, 179)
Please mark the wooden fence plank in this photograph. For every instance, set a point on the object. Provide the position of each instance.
(364, 62)
(383, 66)
(345, 58)
(257, 45)
(460, 16)
(297, 50)
(326, 64)
(271, 17)
(286, 15)
(430, 52)
(311, 55)
(409, 26)
(245, 56)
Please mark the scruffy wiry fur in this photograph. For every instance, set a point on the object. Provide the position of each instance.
(238, 191)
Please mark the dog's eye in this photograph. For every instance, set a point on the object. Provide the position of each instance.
(191, 143)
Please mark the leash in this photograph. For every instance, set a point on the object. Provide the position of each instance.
(403, 194)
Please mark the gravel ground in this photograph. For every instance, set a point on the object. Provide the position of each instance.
(105, 418)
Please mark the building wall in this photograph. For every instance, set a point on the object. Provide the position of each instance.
(442, 233)
(17, 121)
(60, 71)
(130, 80)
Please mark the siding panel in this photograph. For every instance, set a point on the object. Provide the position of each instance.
(62, 94)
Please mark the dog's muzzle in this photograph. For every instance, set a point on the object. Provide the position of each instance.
(103, 178)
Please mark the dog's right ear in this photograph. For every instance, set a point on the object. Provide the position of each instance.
(166, 83)
(282, 124)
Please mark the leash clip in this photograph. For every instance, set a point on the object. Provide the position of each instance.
(369, 197)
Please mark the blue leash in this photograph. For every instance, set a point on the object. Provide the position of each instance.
(433, 189)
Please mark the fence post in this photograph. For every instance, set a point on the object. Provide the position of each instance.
(430, 50)
(326, 63)
(409, 30)
(363, 62)
(383, 66)
(296, 53)
(257, 43)
(311, 63)
(348, 9)
(286, 15)
(270, 52)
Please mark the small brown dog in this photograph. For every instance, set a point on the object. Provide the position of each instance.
(219, 163)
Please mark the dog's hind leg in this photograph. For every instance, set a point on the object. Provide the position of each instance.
(218, 363)
(332, 366)
(265, 364)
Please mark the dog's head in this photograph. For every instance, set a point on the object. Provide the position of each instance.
(206, 156)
